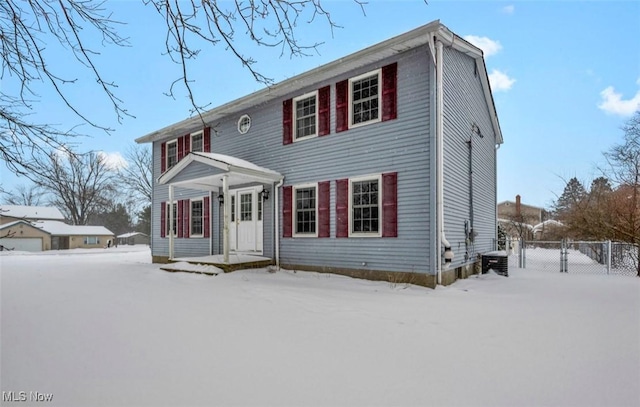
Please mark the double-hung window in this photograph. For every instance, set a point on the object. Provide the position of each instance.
(364, 98)
(365, 199)
(305, 116)
(196, 218)
(172, 153)
(305, 205)
(197, 143)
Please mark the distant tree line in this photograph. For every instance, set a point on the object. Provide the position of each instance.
(89, 190)
(610, 208)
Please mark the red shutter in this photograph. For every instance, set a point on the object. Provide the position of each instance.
(185, 217)
(187, 144)
(163, 219)
(287, 121)
(287, 218)
(390, 204)
(323, 209)
(180, 148)
(206, 226)
(324, 113)
(163, 157)
(342, 106)
(206, 142)
(180, 218)
(342, 208)
(389, 92)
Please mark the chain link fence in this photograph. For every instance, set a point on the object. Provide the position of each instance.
(577, 257)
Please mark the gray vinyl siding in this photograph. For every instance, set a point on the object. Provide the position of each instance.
(464, 104)
(400, 145)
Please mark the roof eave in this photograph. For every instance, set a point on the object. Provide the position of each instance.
(401, 43)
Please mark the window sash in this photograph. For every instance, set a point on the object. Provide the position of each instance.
(365, 217)
(364, 99)
(172, 153)
(197, 217)
(305, 114)
(305, 219)
(197, 142)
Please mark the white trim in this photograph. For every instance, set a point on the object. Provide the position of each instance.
(166, 154)
(191, 136)
(244, 116)
(316, 114)
(168, 229)
(377, 72)
(191, 234)
(371, 177)
(293, 211)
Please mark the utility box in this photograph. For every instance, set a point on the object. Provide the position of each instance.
(497, 261)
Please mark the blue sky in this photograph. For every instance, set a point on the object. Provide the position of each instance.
(565, 77)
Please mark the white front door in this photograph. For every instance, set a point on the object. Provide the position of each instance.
(246, 220)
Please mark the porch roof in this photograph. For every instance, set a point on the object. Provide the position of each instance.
(237, 170)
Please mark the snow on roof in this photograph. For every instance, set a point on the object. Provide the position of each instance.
(26, 222)
(31, 212)
(62, 229)
(237, 162)
(126, 235)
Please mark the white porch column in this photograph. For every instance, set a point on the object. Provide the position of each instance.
(170, 221)
(226, 213)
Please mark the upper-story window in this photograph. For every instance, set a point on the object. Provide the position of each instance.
(368, 98)
(197, 141)
(306, 116)
(172, 153)
(244, 124)
(364, 98)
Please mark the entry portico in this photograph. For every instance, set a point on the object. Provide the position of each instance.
(235, 181)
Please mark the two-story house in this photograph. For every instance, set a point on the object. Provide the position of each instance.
(380, 165)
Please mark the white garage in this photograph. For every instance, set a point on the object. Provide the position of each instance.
(25, 244)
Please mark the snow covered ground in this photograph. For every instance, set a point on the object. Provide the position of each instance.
(107, 328)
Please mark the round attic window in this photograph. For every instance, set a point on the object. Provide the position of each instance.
(244, 124)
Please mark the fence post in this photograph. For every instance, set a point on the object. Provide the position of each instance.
(608, 256)
(521, 254)
(564, 257)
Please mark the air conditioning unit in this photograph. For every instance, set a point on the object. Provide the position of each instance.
(497, 261)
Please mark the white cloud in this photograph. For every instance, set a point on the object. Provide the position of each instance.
(487, 45)
(510, 9)
(113, 161)
(613, 103)
(500, 81)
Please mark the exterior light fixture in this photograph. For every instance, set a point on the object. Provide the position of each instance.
(265, 194)
(221, 199)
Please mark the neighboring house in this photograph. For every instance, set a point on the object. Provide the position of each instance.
(133, 238)
(379, 165)
(518, 219)
(12, 213)
(38, 228)
(65, 236)
(23, 235)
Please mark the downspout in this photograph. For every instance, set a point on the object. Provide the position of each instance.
(276, 207)
(171, 231)
(448, 253)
